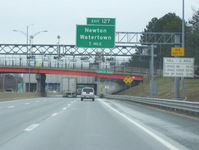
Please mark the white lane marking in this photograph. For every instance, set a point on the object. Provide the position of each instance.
(55, 114)
(11, 106)
(32, 127)
(37, 101)
(27, 103)
(64, 108)
(164, 142)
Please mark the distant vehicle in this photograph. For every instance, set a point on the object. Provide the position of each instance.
(79, 91)
(69, 87)
(87, 93)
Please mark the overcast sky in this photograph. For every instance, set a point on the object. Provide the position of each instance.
(60, 17)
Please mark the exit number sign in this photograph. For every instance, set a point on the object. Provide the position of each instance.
(101, 21)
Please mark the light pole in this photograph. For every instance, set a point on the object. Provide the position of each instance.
(31, 53)
(183, 26)
(58, 46)
(34, 35)
(26, 34)
(183, 35)
(31, 41)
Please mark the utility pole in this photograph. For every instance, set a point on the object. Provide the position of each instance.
(183, 34)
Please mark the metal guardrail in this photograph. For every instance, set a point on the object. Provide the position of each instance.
(168, 103)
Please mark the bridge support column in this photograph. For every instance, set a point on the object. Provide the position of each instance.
(41, 78)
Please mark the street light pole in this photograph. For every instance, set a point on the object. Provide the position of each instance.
(28, 52)
(183, 26)
(28, 62)
(58, 46)
(31, 52)
(183, 35)
(27, 31)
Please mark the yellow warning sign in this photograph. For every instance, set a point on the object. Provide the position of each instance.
(128, 80)
(177, 51)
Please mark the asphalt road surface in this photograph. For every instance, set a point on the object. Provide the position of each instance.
(57, 123)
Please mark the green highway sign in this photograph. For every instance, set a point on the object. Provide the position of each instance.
(105, 71)
(101, 71)
(109, 72)
(19, 85)
(95, 36)
(101, 21)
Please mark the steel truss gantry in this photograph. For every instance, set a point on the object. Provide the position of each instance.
(147, 38)
(129, 42)
(65, 50)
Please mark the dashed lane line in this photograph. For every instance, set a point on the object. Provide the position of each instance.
(32, 127)
(11, 107)
(55, 114)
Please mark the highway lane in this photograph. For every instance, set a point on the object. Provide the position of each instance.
(19, 114)
(68, 123)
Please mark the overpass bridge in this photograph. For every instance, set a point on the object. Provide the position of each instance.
(44, 55)
(68, 71)
(41, 68)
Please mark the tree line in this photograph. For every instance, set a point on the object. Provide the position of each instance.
(171, 23)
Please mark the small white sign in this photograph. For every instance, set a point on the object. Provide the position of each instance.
(178, 67)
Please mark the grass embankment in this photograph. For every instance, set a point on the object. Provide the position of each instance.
(165, 89)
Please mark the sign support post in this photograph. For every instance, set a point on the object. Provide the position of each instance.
(152, 85)
(177, 79)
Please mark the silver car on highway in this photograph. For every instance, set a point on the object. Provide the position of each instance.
(87, 93)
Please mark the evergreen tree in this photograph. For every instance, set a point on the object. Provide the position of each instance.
(168, 23)
(192, 40)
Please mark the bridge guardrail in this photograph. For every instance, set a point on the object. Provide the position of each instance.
(181, 105)
(68, 65)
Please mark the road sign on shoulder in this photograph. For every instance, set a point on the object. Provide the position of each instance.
(178, 67)
(128, 80)
(95, 36)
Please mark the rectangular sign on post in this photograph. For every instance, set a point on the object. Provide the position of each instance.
(101, 21)
(177, 51)
(178, 67)
(91, 36)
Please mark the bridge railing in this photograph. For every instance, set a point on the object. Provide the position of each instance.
(64, 64)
